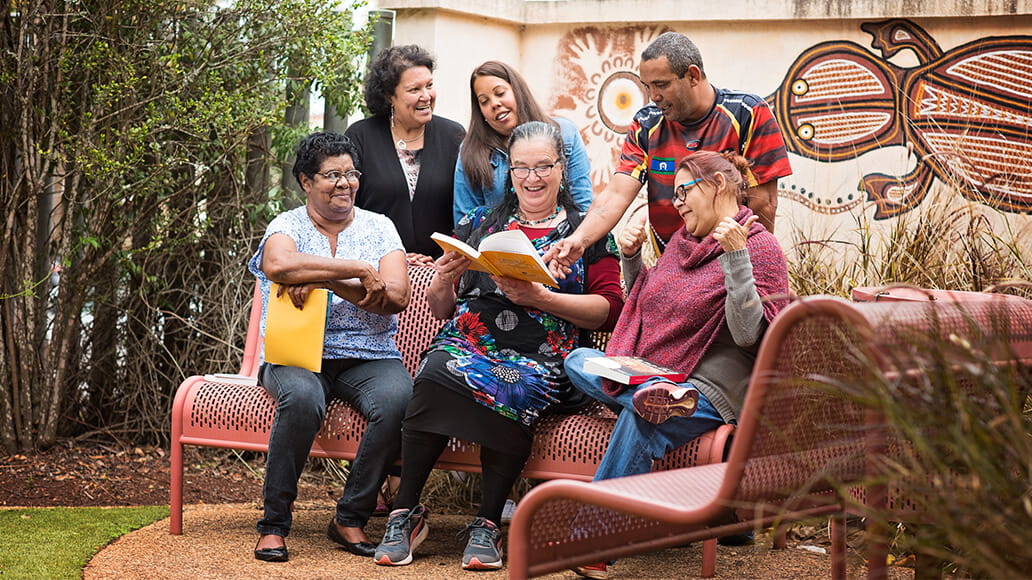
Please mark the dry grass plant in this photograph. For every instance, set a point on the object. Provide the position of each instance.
(959, 459)
(944, 243)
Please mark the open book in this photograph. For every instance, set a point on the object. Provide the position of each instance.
(629, 370)
(508, 253)
(295, 337)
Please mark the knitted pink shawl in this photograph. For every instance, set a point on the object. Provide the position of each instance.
(676, 307)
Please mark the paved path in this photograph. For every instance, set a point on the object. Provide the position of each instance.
(218, 540)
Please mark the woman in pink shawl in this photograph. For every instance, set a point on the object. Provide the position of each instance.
(702, 310)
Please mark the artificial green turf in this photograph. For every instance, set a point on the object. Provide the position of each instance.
(57, 542)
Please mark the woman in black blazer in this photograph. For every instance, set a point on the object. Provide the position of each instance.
(407, 154)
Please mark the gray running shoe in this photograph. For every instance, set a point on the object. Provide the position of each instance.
(406, 529)
(484, 548)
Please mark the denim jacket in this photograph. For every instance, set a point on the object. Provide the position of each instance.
(577, 165)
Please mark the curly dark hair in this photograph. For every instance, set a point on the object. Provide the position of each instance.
(385, 74)
(315, 148)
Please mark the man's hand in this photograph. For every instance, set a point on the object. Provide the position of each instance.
(563, 254)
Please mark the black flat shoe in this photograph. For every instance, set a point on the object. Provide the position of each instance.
(271, 554)
(357, 548)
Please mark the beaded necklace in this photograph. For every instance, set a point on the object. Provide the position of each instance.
(524, 222)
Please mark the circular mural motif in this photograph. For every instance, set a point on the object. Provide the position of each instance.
(599, 89)
(619, 99)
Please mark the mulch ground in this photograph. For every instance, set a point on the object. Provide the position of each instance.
(99, 475)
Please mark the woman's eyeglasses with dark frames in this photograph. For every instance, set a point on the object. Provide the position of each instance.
(681, 191)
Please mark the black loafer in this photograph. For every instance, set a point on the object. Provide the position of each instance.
(271, 554)
(358, 548)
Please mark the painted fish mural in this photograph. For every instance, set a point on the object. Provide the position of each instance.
(964, 114)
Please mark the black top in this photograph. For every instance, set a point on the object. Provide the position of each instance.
(384, 189)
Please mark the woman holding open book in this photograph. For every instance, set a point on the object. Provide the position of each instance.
(496, 365)
(357, 255)
(701, 310)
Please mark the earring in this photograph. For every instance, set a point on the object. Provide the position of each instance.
(392, 117)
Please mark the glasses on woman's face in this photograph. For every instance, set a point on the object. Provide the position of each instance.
(681, 191)
(524, 172)
(351, 176)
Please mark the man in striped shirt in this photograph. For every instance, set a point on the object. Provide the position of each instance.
(687, 114)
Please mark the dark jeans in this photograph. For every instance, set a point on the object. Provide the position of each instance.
(378, 389)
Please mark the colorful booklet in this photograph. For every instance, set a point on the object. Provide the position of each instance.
(295, 337)
(629, 370)
(509, 253)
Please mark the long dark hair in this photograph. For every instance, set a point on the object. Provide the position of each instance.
(385, 74)
(506, 208)
(481, 138)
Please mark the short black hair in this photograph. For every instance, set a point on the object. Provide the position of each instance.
(680, 51)
(315, 148)
(385, 74)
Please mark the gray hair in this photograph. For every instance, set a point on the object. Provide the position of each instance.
(535, 129)
(680, 51)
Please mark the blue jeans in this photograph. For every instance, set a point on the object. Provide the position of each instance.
(378, 389)
(635, 442)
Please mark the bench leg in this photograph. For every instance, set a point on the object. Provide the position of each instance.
(175, 525)
(709, 558)
(838, 546)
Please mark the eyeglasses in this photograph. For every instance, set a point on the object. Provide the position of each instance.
(335, 176)
(681, 191)
(540, 171)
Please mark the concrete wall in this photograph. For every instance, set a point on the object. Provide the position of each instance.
(570, 51)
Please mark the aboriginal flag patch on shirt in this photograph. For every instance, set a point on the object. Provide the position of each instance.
(662, 165)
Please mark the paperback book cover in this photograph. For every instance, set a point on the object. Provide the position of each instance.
(629, 370)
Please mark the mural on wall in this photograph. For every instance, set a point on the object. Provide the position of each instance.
(599, 88)
(965, 115)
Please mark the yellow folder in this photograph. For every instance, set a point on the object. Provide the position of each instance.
(295, 337)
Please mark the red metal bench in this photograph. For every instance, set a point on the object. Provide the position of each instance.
(801, 448)
(213, 414)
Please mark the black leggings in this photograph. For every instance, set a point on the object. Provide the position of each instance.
(420, 451)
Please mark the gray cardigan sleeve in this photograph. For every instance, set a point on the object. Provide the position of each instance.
(630, 267)
(743, 309)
